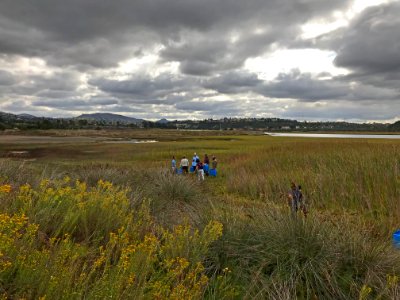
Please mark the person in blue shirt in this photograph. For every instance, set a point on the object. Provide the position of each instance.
(194, 162)
(173, 165)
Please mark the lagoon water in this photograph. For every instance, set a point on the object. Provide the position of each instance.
(336, 135)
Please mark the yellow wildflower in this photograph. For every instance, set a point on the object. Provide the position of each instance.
(6, 188)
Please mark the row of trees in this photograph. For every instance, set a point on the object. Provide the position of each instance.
(266, 124)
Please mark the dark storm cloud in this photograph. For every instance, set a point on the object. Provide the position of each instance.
(102, 33)
(372, 42)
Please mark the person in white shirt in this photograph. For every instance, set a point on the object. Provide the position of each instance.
(185, 165)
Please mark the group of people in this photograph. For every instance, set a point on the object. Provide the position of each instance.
(201, 168)
(209, 168)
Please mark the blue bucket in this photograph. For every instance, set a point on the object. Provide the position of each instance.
(396, 239)
(180, 171)
(213, 172)
(192, 168)
(206, 168)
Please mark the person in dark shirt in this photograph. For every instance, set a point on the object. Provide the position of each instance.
(206, 164)
(200, 170)
(295, 199)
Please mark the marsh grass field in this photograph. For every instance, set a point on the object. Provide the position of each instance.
(86, 219)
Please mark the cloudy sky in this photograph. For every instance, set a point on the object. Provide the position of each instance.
(195, 59)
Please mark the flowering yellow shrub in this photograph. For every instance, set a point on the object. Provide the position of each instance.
(70, 240)
(12, 229)
(148, 266)
(61, 207)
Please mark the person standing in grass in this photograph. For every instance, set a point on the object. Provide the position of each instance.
(185, 165)
(214, 163)
(194, 162)
(206, 164)
(295, 199)
(173, 165)
(213, 170)
(200, 170)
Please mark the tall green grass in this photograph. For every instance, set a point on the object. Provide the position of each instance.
(275, 255)
(359, 177)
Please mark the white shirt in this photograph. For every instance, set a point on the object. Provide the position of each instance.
(184, 162)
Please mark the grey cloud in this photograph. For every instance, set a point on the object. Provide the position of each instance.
(6, 78)
(224, 107)
(301, 86)
(57, 84)
(145, 88)
(54, 94)
(75, 104)
(344, 110)
(232, 82)
(294, 85)
(304, 87)
(210, 40)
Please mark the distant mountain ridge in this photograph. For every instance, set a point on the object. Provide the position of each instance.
(109, 117)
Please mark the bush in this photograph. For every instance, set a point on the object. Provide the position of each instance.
(174, 198)
(70, 241)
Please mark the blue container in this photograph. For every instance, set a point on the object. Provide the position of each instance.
(396, 239)
(206, 168)
(180, 171)
(192, 168)
(213, 172)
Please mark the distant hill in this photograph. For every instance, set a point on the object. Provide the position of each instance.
(26, 116)
(163, 121)
(108, 117)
